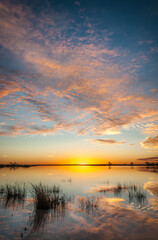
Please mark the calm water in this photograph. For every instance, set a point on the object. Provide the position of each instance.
(103, 203)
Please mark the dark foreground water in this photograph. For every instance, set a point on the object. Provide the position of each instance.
(102, 203)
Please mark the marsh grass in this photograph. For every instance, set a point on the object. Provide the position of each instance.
(118, 189)
(13, 194)
(48, 197)
(138, 195)
(50, 204)
(88, 204)
(2, 189)
(40, 217)
(135, 194)
(15, 191)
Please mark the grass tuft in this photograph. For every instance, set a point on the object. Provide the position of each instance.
(88, 204)
(139, 195)
(15, 191)
(48, 197)
(13, 194)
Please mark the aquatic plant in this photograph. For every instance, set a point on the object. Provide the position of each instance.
(2, 190)
(115, 189)
(47, 197)
(13, 194)
(89, 203)
(135, 194)
(15, 191)
(138, 195)
(50, 203)
(39, 217)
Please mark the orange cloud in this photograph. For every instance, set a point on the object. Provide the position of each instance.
(150, 142)
(151, 129)
(152, 187)
(149, 159)
(79, 86)
(107, 141)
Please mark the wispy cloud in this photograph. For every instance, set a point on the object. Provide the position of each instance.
(152, 187)
(151, 129)
(150, 142)
(77, 3)
(149, 159)
(73, 83)
(107, 141)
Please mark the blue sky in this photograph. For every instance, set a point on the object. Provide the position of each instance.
(78, 81)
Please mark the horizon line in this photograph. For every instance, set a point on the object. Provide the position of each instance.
(80, 164)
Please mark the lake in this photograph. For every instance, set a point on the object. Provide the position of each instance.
(100, 203)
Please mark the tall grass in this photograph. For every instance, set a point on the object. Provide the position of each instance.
(2, 189)
(89, 204)
(135, 194)
(13, 194)
(139, 195)
(48, 197)
(15, 191)
(50, 203)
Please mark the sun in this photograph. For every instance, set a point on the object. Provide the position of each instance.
(83, 161)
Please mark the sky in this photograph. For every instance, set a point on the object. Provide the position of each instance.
(78, 81)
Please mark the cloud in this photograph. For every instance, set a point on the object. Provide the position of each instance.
(112, 132)
(152, 187)
(150, 142)
(148, 159)
(68, 82)
(111, 221)
(109, 188)
(25, 129)
(77, 3)
(151, 128)
(107, 141)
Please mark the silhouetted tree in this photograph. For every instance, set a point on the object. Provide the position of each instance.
(147, 164)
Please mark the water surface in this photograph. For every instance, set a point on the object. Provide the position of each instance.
(104, 203)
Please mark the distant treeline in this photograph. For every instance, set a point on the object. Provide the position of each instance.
(16, 165)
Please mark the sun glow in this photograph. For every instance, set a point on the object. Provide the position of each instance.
(84, 161)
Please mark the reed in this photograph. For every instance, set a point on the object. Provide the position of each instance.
(2, 189)
(48, 197)
(138, 195)
(88, 204)
(15, 191)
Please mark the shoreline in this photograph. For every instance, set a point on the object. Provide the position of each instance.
(85, 165)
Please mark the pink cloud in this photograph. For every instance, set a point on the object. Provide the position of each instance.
(107, 141)
(81, 84)
(77, 3)
(150, 142)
